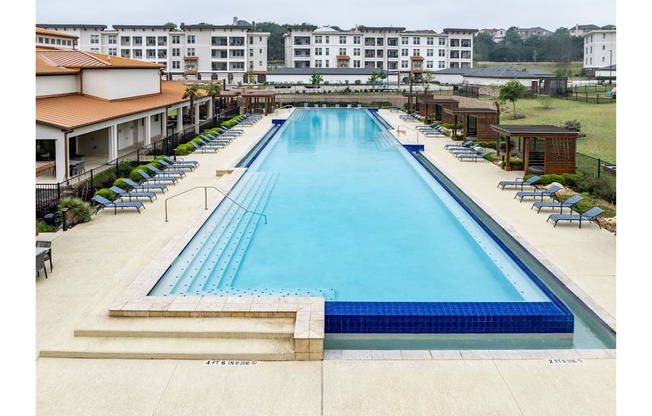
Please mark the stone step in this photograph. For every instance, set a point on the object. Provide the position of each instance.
(174, 348)
(146, 327)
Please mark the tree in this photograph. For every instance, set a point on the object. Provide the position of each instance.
(251, 77)
(427, 78)
(511, 91)
(316, 79)
(376, 78)
(213, 89)
(192, 92)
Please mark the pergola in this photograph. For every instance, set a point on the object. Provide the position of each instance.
(557, 153)
(259, 99)
(415, 96)
(477, 123)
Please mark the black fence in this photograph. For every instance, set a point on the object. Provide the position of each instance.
(598, 176)
(595, 94)
(85, 184)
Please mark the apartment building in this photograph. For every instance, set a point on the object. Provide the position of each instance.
(599, 50)
(392, 49)
(53, 39)
(230, 53)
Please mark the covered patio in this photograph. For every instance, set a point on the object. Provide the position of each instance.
(546, 149)
(476, 122)
(255, 101)
(434, 109)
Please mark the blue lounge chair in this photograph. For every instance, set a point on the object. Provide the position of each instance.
(182, 161)
(520, 183)
(203, 148)
(590, 215)
(474, 157)
(158, 171)
(105, 203)
(568, 203)
(221, 141)
(176, 166)
(156, 179)
(146, 186)
(466, 151)
(450, 146)
(539, 194)
(124, 194)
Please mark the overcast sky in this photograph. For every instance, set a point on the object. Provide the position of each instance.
(435, 15)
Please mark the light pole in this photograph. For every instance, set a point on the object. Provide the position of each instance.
(610, 67)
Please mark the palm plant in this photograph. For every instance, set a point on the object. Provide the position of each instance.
(192, 92)
(213, 89)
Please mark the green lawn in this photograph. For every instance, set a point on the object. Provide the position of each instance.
(598, 122)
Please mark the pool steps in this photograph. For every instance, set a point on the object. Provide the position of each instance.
(264, 339)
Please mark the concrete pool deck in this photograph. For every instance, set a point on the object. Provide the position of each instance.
(94, 263)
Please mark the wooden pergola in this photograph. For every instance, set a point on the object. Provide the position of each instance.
(557, 154)
(414, 96)
(259, 99)
(477, 123)
(434, 109)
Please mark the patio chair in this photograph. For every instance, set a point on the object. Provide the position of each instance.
(124, 194)
(590, 215)
(568, 203)
(146, 186)
(474, 156)
(451, 146)
(550, 192)
(40, 263)
(105, 203)
(158, 171)
(467, 151)
(179, 160)
(171, 179)
(216, 144)
(520, 183)
(48, 253)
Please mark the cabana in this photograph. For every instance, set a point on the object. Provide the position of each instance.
(255, 100)
(434, 109)
(546, 149)
(477, 123)
(413, 99)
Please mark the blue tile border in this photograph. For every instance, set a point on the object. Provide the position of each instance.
(447, 317)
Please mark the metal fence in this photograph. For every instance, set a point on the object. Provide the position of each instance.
(85, 184)
(599, 176)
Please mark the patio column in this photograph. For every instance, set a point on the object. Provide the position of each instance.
(113, 142)
(148, 130)
(196, 118)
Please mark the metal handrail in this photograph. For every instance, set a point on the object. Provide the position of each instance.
(398, 131)
(206, 201)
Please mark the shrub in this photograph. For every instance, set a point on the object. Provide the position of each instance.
(44, 227)
(550, 178)
(106, 193)
(78, 210)
(183, 150)
(573, 125)
(514, 164)
(120, 183)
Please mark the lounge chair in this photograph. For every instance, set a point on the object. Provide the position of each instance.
(156, 179)
(203, 148)
(590, 215)
(539, 194)
(146, 186)
(568, 203)
(474, 156)
(183, 161)
(124, 194)
(467, 151)
(451, 146)
(158, 171)
(176, 166)
(214, 141)
(105, 203)
(520, 183)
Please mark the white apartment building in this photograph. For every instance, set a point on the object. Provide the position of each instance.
(599, 50)
(230, 53)
(395, 50)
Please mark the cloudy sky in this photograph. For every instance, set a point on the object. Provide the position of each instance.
(435, 15)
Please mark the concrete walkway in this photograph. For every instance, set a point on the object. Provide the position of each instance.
(96, 261)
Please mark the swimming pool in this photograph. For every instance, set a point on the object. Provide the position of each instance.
(352, 218)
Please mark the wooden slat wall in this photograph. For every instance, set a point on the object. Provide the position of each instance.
(559, 155)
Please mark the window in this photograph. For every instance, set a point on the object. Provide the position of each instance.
(416, 40)
(327, 39)
(124, 40)
(191, 38)
(251, 53)
(318, 63)
(95, 38)
(162, 54)
(327, 63)
(176, 52)
(151, 41)
(429, 64)
(404, 40)
(162, 41)
(342, 40)
(392, 42)
(430, 41)
(190, 52)
(404, 64)
(603, 47)
(176, 65)
(429, 52)
(317, 51)
(176, 39)
(326, 51)
(466, 43)
(251, 40)
(113, 39)
(356, 40)
(237, 66)
(237, 53)
(356, 64)
(151, 53)
(113, 51)
(416, 52)
(442, 52)
(442, 41)
(138, 53)
(441, 64)
(138, 40)
(342, 51)
(404, 52)
(97, 50)
(317, 39)
(356, 51)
